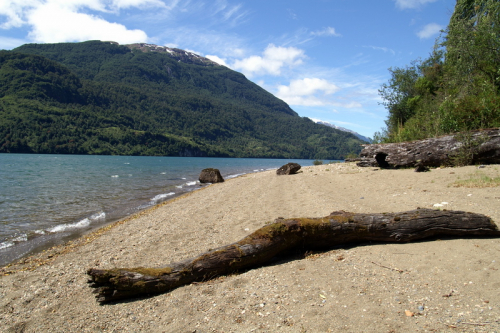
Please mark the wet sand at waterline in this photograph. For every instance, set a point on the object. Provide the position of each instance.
(449, 285)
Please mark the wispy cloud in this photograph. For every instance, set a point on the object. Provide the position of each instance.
(307, 91)
(329, 31)
(411, 4)
(379, 48)
(429, 30)
(291, 14)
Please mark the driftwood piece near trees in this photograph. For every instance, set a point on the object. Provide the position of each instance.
(283, 235)
(476, 147)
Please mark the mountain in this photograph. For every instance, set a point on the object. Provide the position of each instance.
(359, 136)
(141, 99)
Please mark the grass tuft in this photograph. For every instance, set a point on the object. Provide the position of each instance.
(478, 179)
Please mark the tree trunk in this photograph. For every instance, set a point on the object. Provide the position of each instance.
(476, 147)
(281, 236)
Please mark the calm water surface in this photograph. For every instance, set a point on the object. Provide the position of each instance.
(48, 199)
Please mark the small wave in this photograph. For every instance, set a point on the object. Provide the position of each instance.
(80, 224)
(191, 183)
(160, 197)
(126, 163)
(5, 245)
(179, 186)
(163, 173)
(115, 176)
(235, 175)
(12, 242)
(21, 238)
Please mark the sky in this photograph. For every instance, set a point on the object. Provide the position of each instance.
(326, 58)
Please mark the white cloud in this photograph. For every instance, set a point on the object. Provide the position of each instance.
(13, 12)
(273, 59)
(429, 30)
(52, 23)
(308, 92)
(326, 32)
(218, 60)
(411, 4)
(72, 20)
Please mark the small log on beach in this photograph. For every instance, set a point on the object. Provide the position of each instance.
(283, 235)
(476, 147)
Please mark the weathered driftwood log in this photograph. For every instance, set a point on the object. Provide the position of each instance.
(281, 236)
(288, 169)
(477, 147)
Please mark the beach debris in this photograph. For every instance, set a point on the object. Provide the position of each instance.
(408, 313)
(210, 175)
(288, 169)
(393, 269)
(285, 236)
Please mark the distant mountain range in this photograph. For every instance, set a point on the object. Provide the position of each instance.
(361, 137)
(142, 99)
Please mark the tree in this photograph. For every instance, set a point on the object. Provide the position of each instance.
(457, 88)
(399, 95)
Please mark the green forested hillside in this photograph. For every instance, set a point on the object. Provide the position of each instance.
(456, 89)
(103, 98)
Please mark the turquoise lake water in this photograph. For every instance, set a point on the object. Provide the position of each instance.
(48, 199)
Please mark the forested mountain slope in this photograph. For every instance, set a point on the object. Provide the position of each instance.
(104, 98)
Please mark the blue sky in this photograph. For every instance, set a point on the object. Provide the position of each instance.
(325, 58)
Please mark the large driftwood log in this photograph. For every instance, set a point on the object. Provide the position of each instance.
(281, 236)
(483, 146)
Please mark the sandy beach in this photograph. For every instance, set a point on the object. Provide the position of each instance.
(449, 285)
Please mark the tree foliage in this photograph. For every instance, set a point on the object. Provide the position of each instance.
(103, 98)
(458, 87)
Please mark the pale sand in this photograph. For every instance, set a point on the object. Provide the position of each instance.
(448, 285)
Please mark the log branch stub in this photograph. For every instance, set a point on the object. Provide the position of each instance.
(283, 235)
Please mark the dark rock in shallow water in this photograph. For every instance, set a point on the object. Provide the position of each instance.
(288, 169)
(210, 175)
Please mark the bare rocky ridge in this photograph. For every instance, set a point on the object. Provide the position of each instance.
(178, 54)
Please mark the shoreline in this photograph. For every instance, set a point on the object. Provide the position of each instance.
(31, 242)
(346, 288)
(49, 254)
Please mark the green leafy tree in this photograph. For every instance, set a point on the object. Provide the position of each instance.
(457, 88)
